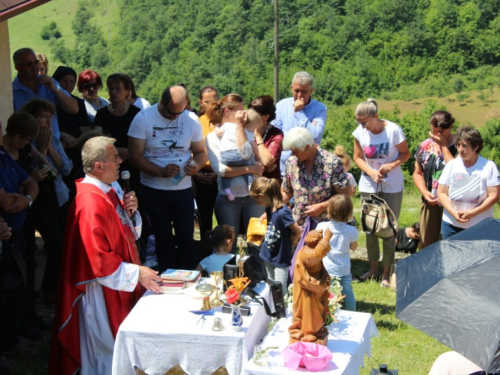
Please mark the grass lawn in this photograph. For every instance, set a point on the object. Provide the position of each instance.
(399, 345)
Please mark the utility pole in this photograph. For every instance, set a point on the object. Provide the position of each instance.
(276, 52)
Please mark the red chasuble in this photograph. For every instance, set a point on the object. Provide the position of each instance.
(95, 245)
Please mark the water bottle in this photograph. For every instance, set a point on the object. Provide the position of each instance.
(176, 180)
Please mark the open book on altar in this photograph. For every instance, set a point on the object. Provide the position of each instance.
(180, 275)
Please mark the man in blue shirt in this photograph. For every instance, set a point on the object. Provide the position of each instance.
(28, 85)
(300, 111)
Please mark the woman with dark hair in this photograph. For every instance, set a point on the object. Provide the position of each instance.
(134, 99)
(89, 84)
(115, 119)
(269, 138)
(431, 157)
(18, 191)
(230, 109)
(71, 125)
(469, 185)
(205, 181)
(51, 208)
(22, 128)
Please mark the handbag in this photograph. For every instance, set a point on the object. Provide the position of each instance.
(377, 217)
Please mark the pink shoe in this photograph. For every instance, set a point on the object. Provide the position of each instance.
(229, 194)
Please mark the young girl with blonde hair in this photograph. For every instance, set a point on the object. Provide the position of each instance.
(282, 230)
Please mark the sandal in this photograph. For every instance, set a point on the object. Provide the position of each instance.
(385, 284)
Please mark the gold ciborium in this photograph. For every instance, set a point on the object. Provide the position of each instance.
(206, 290)
(216, 277)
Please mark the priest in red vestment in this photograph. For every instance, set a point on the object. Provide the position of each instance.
(101, 275)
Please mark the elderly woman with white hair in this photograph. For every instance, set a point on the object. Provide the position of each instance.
(379, 150)
(312, 176)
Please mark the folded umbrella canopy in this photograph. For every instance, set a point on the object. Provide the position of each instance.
(451, 291)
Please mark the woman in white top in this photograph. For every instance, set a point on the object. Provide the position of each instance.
(243, 206)
(469, 185)
(379, 150)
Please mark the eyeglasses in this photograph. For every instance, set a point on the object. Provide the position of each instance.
(363, 124)
(88, 86)
(27, 139)
(29, 64)
(173, 113)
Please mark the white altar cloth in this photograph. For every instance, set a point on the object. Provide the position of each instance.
(160, 333)
(348, 340)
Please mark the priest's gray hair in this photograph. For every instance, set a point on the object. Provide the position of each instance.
(303, 78)
(94, 150)
(297, 139)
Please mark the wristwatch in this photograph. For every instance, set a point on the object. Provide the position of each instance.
(31, 201)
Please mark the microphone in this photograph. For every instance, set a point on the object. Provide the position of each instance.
(126, 187)
(125, 181)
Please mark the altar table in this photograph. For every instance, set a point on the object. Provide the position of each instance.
(160, 332)
(348, 340)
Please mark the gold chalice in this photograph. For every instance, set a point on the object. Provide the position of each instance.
(206, 290)
(216, 278)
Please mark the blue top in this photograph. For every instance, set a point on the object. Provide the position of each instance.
(215, 262)
(11, 178)
(312, 117)
(62, 191)
(276, 248)
(22, 95)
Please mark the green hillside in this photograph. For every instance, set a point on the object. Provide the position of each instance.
(415, 56)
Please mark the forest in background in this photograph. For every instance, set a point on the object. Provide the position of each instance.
(389, 49)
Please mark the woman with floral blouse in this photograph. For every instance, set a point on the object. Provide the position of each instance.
(312, 176)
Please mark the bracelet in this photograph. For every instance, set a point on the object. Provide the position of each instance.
(258, 144)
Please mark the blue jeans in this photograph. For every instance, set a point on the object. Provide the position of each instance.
(349, 302)
(232, 158)
(448, 230)
(169, 209)
(231, 212)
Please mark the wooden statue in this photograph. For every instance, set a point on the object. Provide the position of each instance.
(311, 284)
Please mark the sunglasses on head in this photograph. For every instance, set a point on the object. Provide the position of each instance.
(29, 64)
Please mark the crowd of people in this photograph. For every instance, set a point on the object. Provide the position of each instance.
(60, 161)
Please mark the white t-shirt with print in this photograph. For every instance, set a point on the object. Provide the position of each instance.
(467, 187)
(167, 142)
(380, 149)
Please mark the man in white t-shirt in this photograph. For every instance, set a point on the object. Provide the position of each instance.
(162, 139)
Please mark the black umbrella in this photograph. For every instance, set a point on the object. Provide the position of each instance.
(451, 291)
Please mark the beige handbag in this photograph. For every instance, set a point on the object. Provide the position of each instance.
(377, 218)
